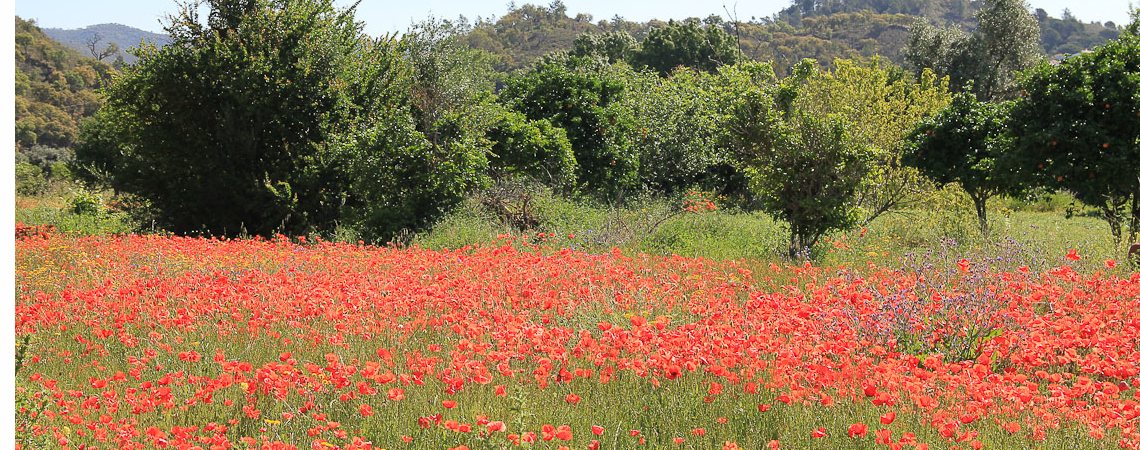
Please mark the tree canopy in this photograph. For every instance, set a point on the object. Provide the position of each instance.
(966, 143)
(1006, 40)
(1077, 127)
(226, 129)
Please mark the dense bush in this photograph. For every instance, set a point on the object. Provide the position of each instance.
(30, 179)
(537, 149)
(678, 129)
(225, 129)
(688, 44)
(400, 181)
(579, 95)
(803, 169)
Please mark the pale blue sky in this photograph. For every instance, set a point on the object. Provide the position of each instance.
(383, 16)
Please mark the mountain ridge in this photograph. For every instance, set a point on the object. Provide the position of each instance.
(122, 36)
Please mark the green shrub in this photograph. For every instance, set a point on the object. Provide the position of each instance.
(401, 183)
(579, 95)
(84, 202)
(226, 129)
(30, 179)
(536, 149)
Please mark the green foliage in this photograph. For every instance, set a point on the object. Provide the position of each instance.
(579, 96)
(679, 125)
(408, 166)
(1078, 128)
(610, 47)
(224, 130)
(966, 143)
(1007, 40)
(448, 79)
(85, 202)
(881, 103)
(537, 149)
(687, 44)
(30, 179)
(56, 87)
(47, 158)
(400, 181)
(803, 169)
(67, 222)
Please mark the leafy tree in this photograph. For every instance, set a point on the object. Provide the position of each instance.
(687, 44)
(404, 172)
(610, 47)
(1078, 128)
(29, 179)
(965, 143)
(804, 169)
(227, 128)
(1007, 40)
(882, 104)
(536, 149)
(579, 95)
(398, 180)
(679, 125)
(448, 78)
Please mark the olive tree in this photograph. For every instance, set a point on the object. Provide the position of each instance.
(1006, 40)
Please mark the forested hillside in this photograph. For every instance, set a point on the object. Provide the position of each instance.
(55, 87)
(108, 42)
(820, 29)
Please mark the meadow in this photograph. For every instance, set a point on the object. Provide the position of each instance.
(624, 331)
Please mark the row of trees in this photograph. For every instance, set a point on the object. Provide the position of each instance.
(282, 116)
(1073, 125)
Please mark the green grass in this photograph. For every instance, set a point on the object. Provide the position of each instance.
(1038, 234)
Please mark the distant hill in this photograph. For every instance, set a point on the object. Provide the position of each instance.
(820, 29)
(56, 87)
(122, 36)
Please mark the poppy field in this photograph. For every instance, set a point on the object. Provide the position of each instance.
(173, 342)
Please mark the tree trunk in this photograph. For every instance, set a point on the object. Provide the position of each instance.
(794, 244)
(980, 208)
(1134, 223)
(1115, 222)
